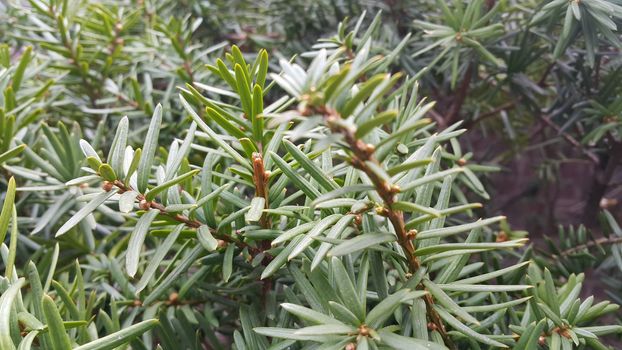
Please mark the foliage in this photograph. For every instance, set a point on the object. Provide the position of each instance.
(161, 192)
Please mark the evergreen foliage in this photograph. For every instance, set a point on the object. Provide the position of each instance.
(209, 175)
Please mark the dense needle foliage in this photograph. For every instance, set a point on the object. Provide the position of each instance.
(273, 175)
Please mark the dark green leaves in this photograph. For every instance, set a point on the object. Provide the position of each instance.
(310, 167)
(376, 317)
(346, 289)
(332, 214)
(461, 327)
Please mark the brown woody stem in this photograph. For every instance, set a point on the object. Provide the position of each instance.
(192, 223)
(362, 155)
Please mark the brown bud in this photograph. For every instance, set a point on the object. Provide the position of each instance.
(607, 203)
(351, 346)
(137, 303)
(173, 298)
(331, 119)
(257, 158)
(462, 162)
(304, 109)
(502, 236)
(369, 148)
(358, 220)
(411, 234)
(107, 186)
(144, 205)
(382, 211)
(395, 188)
(221, 243)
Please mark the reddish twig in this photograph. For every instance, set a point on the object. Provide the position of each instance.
(362, 155)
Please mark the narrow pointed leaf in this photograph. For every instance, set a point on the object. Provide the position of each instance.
(85, 211)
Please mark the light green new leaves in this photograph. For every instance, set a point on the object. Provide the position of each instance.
(262, 68)
(316, 173)
(243, 90)
(346, 289)
(381, 312)
(214, 136)
(148, 150)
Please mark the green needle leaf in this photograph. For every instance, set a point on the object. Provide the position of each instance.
(135, 245)
(85, 211)
(151, 195)
(7, 208)
(148, 150)
(361, 242)
(114, 340)
(6, 304)
(58, 335)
